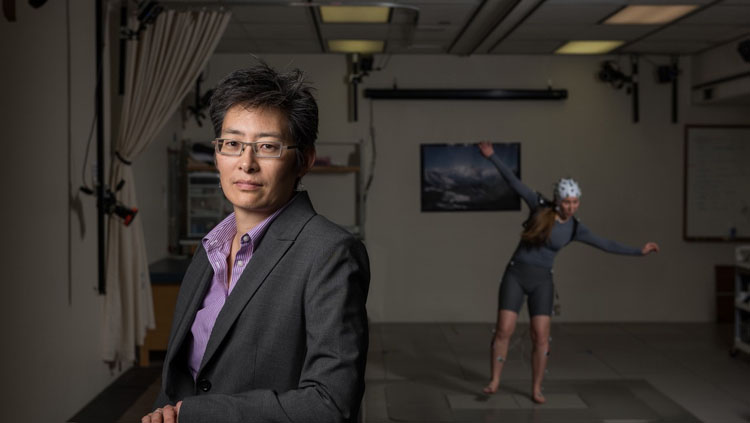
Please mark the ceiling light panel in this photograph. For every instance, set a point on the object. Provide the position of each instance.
(356, 46)
(649, 14)
(589, 47)
(354, 14)
(353, 31)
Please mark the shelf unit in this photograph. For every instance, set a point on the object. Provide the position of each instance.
(206, 205)
(354, 160)
(741, 306)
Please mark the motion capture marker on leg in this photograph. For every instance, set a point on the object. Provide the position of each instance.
(500, 359)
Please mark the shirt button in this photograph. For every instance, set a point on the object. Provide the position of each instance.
(204, 385)
(239, 262)
(245, 238)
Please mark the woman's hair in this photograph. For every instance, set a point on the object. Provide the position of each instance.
(538, 227)
(262, 87)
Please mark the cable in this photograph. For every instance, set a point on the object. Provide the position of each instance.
(371, 172)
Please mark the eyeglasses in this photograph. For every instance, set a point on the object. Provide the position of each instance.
(261, 149)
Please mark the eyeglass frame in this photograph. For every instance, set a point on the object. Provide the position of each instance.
(253, 146)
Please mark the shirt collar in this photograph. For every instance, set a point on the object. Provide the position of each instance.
(221, 235)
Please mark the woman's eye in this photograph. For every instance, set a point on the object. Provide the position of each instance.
(269, 147)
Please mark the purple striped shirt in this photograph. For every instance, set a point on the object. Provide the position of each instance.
(218, 245)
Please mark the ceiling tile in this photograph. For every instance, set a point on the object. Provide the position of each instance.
(545, 32)
(566, 14)
(235, 30)
(527, 47)
(271, 14)
(665, 47)
(720, 15)
(279, 32)
(288, 46)
(231, 45)
(435, 34)
(416, 49)
(710, 33)
(445, 14)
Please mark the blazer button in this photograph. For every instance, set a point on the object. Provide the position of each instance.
(204, 385)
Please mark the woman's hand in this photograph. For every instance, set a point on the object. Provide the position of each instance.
(486, 149)
(168, 414)
(650, 247)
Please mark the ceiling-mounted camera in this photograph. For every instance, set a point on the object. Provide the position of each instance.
(610, 73)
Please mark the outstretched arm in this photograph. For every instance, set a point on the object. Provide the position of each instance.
(530, 197)
(585, 235)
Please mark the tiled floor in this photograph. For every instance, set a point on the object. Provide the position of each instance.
(598, 373)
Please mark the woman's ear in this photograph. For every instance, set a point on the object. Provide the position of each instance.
(309, 157)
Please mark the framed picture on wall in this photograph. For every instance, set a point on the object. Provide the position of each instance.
(456, 177)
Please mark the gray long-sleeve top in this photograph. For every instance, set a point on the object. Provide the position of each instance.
(561, 234)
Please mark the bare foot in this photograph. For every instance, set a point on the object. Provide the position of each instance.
(491, 388)
(538, 398)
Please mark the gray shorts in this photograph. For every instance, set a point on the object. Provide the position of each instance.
(527, 279)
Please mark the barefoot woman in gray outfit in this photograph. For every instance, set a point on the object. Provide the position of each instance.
(550, 227)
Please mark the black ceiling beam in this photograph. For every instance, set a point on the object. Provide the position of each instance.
(465, 94)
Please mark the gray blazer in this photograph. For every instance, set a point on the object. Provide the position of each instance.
(290, 343)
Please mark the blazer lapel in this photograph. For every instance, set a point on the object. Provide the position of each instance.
(277, 240)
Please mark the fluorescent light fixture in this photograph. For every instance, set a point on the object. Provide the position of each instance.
(649, 14)
(356, 46)
(588, 47)
(354, 14)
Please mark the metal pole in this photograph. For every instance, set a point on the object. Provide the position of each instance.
(675, 69)
(100, 148)
(634, 76)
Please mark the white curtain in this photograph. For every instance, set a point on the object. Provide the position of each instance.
(161, 67)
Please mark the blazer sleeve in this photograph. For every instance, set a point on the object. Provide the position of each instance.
(331, 383)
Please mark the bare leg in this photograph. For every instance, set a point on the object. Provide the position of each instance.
(540, 327)
(506, 324)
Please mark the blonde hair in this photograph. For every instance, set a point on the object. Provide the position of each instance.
(538, 227)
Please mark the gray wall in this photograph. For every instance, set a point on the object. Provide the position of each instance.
(446, 266)
(49, 307)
